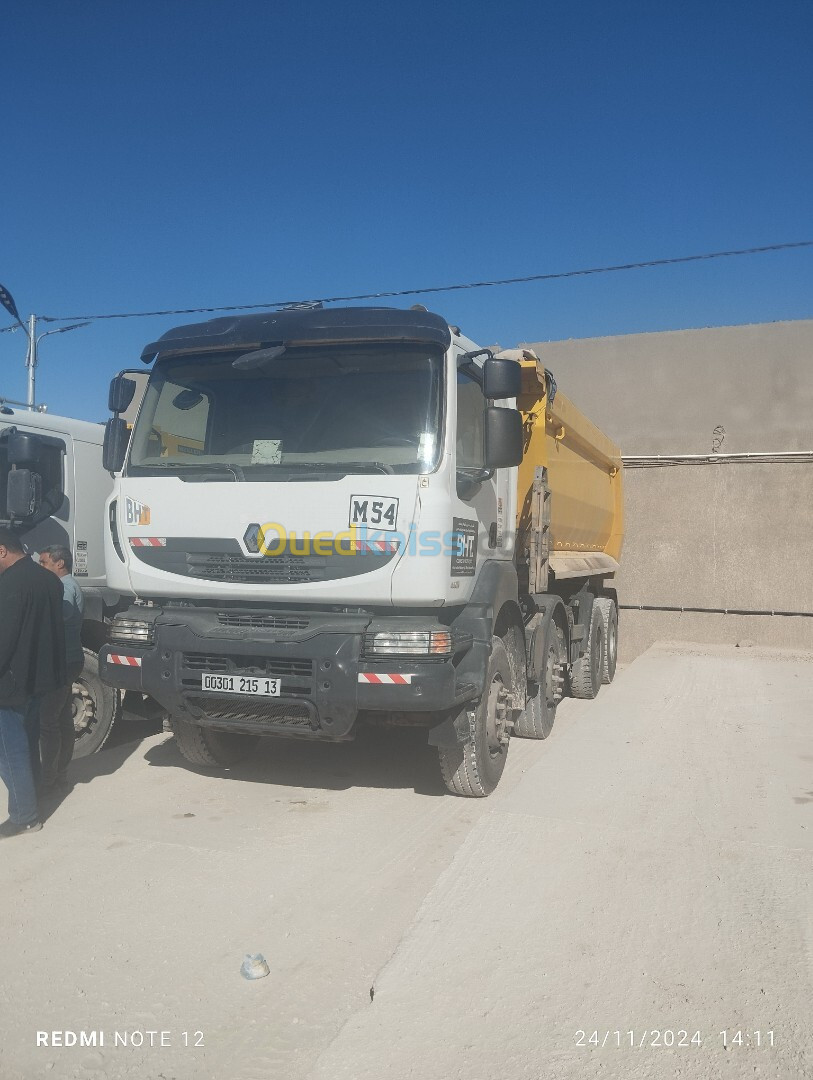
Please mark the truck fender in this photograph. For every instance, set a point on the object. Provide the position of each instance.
(536, 632)
(496, 586)
(495, 589)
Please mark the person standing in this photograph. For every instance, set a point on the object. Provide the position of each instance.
(32, 662)
(56, 731)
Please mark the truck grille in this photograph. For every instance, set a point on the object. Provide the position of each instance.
(240, 665)
(268, 571)
(280, 714)
(263, 622)
(222, 559)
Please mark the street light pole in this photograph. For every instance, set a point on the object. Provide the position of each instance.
(33, 351)
(31, 362)
(7, 301)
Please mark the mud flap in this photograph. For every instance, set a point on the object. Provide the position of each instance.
(453, 731)
(536, 631)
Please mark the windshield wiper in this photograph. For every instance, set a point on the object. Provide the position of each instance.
(357, 466)
(325, 466)
(206, 466)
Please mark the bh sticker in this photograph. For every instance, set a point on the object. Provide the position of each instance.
(136, 513)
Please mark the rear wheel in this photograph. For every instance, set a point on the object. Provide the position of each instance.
(96, 707)
(536, 720)
(588, 670)
(204, 746)
(609, 615)
(474, 768)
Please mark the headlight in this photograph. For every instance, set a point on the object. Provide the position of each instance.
(132, 631)
(408, 643)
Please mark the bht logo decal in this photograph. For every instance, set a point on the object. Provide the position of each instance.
(136, 513)
(464, 551)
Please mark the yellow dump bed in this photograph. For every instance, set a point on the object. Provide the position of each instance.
(584, 476)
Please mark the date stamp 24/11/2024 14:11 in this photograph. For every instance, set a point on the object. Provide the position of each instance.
(669, 1038)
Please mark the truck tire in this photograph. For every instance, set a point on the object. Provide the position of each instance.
(536, 719)
(203, 746)
(474, 768)
(609, 614)
(96, 708)
(588, 671)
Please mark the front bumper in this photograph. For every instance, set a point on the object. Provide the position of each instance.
(325, 679)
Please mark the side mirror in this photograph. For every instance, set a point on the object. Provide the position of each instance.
(23, 494)
(501, 379)
(116, 437)
(503, 431)
(23, 449)
(122, 392)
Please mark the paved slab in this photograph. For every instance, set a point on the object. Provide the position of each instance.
(646, 868)
(648, 882)
(133, 909)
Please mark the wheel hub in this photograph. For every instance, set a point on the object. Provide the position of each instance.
(554, 679)
(498, 718)
(83, 709)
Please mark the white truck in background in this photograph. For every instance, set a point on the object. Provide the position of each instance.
(53, 490)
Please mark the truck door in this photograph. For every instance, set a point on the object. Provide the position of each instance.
(475, 507)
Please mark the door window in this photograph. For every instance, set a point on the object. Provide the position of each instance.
(470, 423)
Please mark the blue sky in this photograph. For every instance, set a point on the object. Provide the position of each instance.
(179, 154)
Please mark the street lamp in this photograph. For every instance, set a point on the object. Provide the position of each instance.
(33, 346)
(30, 331)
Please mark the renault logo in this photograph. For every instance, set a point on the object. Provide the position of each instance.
(252, 538)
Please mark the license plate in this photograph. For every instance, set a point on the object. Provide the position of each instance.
(257, 686)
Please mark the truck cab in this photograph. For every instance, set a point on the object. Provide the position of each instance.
(53, 490)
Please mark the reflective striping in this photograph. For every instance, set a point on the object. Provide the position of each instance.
(148, 541)
(126, 661)
(375, 677)
(375, 547)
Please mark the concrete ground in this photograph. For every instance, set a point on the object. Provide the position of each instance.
(643, 876)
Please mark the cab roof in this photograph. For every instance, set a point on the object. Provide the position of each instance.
(303, 327)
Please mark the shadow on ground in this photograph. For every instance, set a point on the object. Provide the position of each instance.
(378, 758)
(130, 730)
(381, 758)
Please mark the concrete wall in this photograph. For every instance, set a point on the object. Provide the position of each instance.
(720, 535)
(665, 393)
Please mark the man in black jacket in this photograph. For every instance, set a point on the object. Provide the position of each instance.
(32, 662)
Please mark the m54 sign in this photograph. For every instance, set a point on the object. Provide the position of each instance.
(375, 511)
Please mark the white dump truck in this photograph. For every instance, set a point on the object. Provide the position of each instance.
(350, 515)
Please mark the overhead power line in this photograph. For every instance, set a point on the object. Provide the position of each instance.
(438, 288)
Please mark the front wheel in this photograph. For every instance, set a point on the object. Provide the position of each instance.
(95, 706)
(475, 767)
(204, 746)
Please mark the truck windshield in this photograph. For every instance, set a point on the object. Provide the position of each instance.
(367, 408)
